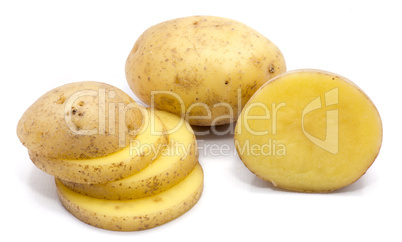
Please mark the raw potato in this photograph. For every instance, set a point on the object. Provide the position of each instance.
(203, 68)
(138, 214)
(174, 163)
(95, 139)
(309, 131)
(145, 148)
(54, 125)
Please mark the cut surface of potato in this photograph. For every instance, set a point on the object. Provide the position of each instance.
(309, 131)
(175, 162)
(137, 214)
(142, 150)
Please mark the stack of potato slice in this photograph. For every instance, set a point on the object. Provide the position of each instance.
(151, 181)
(162, 191)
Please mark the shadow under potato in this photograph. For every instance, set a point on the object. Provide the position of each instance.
(214, 132)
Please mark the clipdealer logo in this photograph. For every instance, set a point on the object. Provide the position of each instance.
(330, 143)
(274, 147)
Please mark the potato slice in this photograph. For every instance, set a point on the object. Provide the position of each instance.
(145, 148)
(310, 131)
(175, 162)
(138, 214)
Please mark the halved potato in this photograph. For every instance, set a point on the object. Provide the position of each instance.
(176, 161)
(310, 131)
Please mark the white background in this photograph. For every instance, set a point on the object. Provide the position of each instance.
(44, 44)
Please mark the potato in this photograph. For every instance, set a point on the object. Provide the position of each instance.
(203, 68)
(86, 131)
(176, 161)
(138, 214)
(309, 131)
(80, 120)
(146, 147)
(97, 141)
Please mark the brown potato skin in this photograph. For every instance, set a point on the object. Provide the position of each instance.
(44, 127)
(211, 65)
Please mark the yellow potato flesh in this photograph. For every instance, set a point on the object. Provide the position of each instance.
(145, 148)
(309, 131)
(175, 162)
(137, 214)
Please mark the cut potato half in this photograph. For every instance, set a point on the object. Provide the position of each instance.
(309, 131)
(142, 150)
(176, 161)
(137, 214)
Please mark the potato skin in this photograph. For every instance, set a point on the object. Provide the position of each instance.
(49, 130)
(204, 64)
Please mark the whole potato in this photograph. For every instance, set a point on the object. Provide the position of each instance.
(203, 68)
(80, 120)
